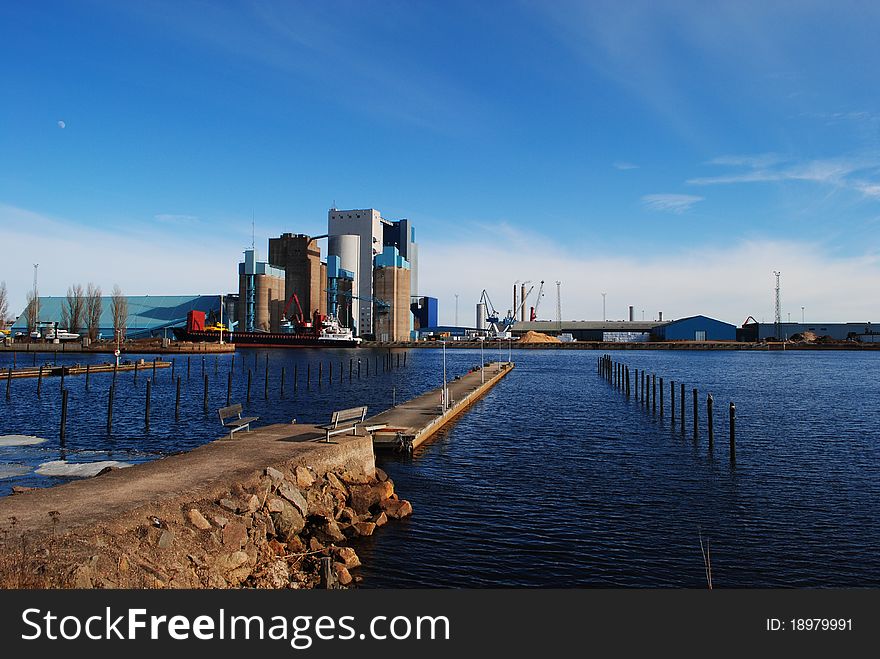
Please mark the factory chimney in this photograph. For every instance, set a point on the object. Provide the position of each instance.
(631, 313)
(660, 313)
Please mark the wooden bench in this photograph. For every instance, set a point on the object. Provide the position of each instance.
(344, 420)
(231, 418)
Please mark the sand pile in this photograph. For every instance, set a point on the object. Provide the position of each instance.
(538, 337)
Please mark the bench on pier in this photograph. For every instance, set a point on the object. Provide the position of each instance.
(344, 420)
(231, 418)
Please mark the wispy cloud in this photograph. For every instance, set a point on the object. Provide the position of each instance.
(170, 218)
(623, 165)
(670, 203)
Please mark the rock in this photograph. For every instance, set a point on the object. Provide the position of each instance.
(315, 544)
(295, 545)
(348, 515)
(235, 535)
(198, 520)
(343, 576)
(275, 505)
(252, 503)
(320, 503)
(229, 505)
(165, 539)
(82, 577)
(123, 564)
(288, 522)
(295, 497)
(355, 478)
(348, 557)
(335, 483)
(384, 490)
(277, 548)
(381, 519)
(21, 489)
(381, 476)
(364, 497)
(397, 508)
(329, 532)
(304, 477)
(220, 521)
(274, 474)
(364, 528)
(277, 574)
(229, 562)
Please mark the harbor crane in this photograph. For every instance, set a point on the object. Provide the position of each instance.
(500, 327)
(533, 315)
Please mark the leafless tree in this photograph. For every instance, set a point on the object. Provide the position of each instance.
(32, 312)
(72, 313)
(119, 308)
(4, 305)
(93, 310)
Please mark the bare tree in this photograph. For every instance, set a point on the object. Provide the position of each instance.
(72, 313)
(32, 312)
(93, 310)
(4, 305)
(119, 308)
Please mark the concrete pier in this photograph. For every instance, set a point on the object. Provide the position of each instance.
(410, 424)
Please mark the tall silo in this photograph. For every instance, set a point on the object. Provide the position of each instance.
(482, 313)
(348, 248)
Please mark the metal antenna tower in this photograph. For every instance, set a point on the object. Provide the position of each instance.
(778, 317)
(559, 304)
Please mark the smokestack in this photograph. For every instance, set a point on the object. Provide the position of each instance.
(522, 301)
(631, 313)
(661, 316)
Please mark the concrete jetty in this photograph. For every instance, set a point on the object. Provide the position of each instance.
(410, 424)
(77, 369)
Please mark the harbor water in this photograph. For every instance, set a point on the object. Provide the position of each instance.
(554, 479)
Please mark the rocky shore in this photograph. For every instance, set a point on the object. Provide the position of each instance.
(269, 531)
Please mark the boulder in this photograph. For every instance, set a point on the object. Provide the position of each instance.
(329, 532)
(320, 503)
(229, 562)
(277, 548)
(220, 521)
(347, 515)
(315, 544)
(304, 477)
(381, 476)
(364, 528)
(347, 556)
(235, 535)
(295, 497)
(335, 483)
(353, 478)
(274, 474)
(295, 545)
(274, 505)
(343, 576)
(197, 519)
(397, 508)
(288, 522)
(229, 504)
(252, 503)
(165, 539)
(364, 497)
(381, 519)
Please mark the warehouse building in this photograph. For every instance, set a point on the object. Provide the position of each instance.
(865, 332)
(695, 328)
(692, 328)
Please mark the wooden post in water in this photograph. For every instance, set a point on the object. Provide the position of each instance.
(696, 419)
(681, 386)
(672, 401)
(8, 383)
(232, 364)
(188, 360)
(115, 371)
(367, 360)
(62, 378)
(147, 406)
(654, 396)
(110, 395)
(295, 376)
(340, 371)
(711, 430)
(282, 382)
(173, 365)
(249, 386)
(63, 414)
(88, 368)
(732, 433)
(398, 360)
(14, 359)
(177, 401)
(267, 362)
(203, 366)
(627, 382)
(216, 364)
(40, 382)
(228, 388)
(661, 398)
(350, 362)
(404, 359)
(266, 385)
(35, 359)
(205, 405)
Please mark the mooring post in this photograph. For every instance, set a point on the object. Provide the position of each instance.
(711, 430)
(249, 386)
(282, 382)
(645, 392)
(177, 401)
(696, 419)
(661, 398)
(147, 407)
(367, 360)
(627, 382)
(110, 407)
(63, 413)
(654, 394)
(8, 383)
(232, 364)
(35, 357)
(732, 432)
(216, 364)
(672, 401)
(682, 406)
(173, 364)
(398, 360)
(229, 388)
(266, 385)
(188, 364)
(40, 382)
(340, 371)
(206, 392)
(203, 365)
(14, 359)
(350, 363)
(88, 368)
(267, 362)
(62, 378)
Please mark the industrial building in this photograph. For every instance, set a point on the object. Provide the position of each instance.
(261, 291)
(299, 257)
(424, 311)
(391, 286)
(692, 328)
(864, 332)
(695, 328)
(357, 237)
(148, 315)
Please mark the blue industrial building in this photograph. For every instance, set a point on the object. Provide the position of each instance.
(424, 311)
(148, 315)
(695, 328)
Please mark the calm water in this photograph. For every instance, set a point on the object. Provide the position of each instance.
(554, 478)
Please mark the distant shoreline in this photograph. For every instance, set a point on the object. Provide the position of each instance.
(647, 345)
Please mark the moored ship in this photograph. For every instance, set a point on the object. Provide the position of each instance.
(321, 332)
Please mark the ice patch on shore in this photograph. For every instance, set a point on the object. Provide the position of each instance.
(20, 440)
(10, 470)
(77, 469)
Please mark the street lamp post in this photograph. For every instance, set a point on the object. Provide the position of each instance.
(456, 309)
(482, 363)
(445, 401)
(802, 316)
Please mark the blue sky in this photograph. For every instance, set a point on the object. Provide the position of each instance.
(671, 155)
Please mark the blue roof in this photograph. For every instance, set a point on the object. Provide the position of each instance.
(148, 315)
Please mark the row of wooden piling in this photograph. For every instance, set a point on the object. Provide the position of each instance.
(354, 370)
(644, 387)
